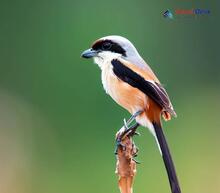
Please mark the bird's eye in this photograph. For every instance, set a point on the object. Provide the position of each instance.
(106, 46)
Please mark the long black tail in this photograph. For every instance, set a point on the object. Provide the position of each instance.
(174, 184)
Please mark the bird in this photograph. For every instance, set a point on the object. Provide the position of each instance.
(132, 84)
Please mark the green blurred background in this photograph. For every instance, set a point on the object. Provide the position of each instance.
(57, 125)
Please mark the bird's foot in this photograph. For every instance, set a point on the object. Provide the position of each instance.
(119, 137)
(122, 133)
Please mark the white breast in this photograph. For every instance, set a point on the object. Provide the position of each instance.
(109, 80)
(107, 73)
(104, 62)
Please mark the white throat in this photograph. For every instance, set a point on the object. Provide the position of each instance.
(104, 58)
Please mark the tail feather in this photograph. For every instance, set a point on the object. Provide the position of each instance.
(164, 149)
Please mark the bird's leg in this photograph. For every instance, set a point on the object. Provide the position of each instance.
(131, 119)
(127, 123)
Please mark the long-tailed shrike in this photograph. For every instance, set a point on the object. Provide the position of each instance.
(132, 84)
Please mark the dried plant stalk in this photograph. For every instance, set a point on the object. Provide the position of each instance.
(126, 165)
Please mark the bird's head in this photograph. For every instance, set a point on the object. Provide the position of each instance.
(111, 47)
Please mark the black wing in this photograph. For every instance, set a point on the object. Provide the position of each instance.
(152, 89)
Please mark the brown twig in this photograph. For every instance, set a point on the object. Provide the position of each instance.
(126, 165)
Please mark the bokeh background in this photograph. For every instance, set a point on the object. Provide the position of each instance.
(57, 125)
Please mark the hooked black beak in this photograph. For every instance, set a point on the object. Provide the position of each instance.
(89, 53)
